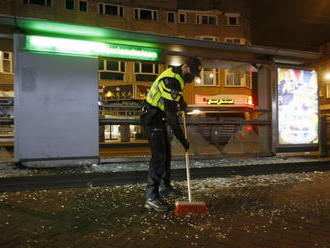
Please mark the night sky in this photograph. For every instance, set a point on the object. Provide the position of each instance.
(294, 24)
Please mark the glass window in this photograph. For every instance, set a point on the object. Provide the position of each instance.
(145, 71)
(147, 68)
(205, 19)
(142, 91)
(101, 64)
(83, 6)
(121, 11)
(47, 3)
(182, 18)
(136, 14)
(110, 9)
(101, 9)
(234, 40)
(112, 65)
(118, 92)
(170, 17)
(146, 14)
(209, 77)
(235, 78)
(212, 20)
(69, 4)
(232, 19)
(6, 62)
(111, 69)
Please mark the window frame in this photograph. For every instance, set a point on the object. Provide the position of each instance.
(2, 59)
(247, 83)
(154, 14)
(120, 9)
(146, 73)
(199, 19)
(47, 3)
(65, 5)
(79, 7)
(185, 18)
(232, 15)
(174, 16)
(208, 38)
(216, 78)
(105, 69)
(242, 41)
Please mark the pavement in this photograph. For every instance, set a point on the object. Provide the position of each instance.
(287, 210)
(281, 201)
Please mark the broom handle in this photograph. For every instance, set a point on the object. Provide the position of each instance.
(187, 157)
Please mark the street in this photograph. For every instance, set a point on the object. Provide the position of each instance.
(278, 210)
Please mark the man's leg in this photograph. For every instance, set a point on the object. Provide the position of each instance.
(156, 169)
(166, 190)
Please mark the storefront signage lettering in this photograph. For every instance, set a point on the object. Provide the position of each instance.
(89, 48)
(220, 101)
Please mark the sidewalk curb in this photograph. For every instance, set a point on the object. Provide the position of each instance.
(83, 180)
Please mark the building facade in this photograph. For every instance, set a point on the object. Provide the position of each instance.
(125, 81)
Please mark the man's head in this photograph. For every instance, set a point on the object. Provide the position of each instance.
(191, 69)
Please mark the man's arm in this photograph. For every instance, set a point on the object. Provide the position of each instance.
(172, 120)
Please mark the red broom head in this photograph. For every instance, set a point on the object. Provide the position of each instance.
(193, 208)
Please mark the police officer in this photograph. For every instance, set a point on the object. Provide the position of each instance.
(159, 110)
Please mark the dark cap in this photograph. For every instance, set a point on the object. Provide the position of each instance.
(194, 65)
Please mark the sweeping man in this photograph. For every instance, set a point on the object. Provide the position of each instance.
(159, 110)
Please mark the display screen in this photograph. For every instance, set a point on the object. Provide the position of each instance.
(297, 106)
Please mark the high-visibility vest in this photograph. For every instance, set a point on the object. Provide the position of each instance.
(158, 91)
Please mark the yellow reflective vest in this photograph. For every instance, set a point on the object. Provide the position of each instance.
(158, 91)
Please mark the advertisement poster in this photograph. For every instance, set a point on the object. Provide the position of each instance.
(297, 107)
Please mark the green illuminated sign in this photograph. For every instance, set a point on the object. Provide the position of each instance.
(89, 48)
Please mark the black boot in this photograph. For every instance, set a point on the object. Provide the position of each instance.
(156, 205)
(169, 191)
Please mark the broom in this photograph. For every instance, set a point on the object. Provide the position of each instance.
(189, 207)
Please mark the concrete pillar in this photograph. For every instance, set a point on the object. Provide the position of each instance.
(56, 110)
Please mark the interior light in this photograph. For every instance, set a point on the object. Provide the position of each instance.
(250, 100)
(327, 76)
(194, 112)
(211, 75)
(89, 48)
(198, 80)
(249, 128)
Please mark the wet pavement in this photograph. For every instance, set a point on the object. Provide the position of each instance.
(279, 210)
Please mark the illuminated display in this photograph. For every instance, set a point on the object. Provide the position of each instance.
(89, 48)
(223, 99)
(297, 106)
(220, 101)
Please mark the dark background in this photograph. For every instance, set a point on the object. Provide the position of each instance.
(294, 24)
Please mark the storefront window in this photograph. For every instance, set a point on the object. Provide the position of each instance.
(238, 78)
(209, 77)
(111, 69)
(146, 72)
(142, 91)
(6, 62)
(118, 92)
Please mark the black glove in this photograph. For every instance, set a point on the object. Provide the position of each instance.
(183, 105)
(185, 144)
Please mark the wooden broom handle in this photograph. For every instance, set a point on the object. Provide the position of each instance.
(187, 157)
